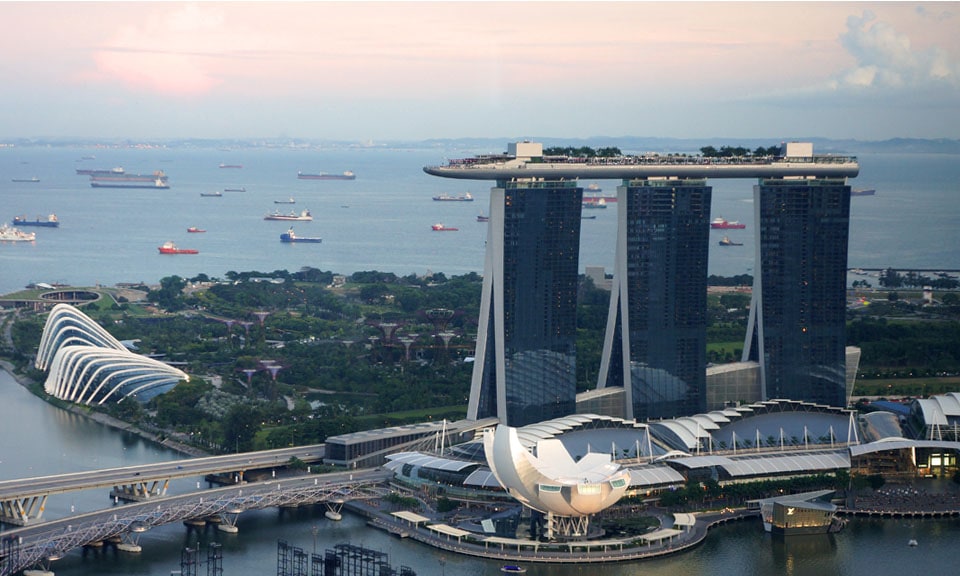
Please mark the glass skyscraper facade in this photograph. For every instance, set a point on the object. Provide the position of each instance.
(797, 326)
(655, 344)
(525, 367)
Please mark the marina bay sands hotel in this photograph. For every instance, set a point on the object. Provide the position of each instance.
(654, 353)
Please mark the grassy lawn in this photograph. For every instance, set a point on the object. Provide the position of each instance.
(906, 386)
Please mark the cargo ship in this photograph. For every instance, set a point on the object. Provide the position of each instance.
(289, 236)
(231, 165)
(171, 248)
(441, 228)
(11, 234)
(157, 184)
(124, 177)
(347, 175)
(289, 200)
(50, 222)
(303, 216)
(195, 230)
(726, 241)
(215, 194)
(483, 217)
(32, 180)
(459, 198)
(721, 224)
(863, 192)
(101, 172)
(598, 204)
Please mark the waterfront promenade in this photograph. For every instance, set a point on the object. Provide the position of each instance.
(592, 552)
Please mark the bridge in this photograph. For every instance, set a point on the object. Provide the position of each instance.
(42, 543)
(23, 501)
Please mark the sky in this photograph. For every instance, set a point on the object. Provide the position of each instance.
(381, 71)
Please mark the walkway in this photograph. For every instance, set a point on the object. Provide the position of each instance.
(556, 553)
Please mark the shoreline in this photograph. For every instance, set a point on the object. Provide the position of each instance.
(106, 419)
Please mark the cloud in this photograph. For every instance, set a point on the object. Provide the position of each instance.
(886, 59)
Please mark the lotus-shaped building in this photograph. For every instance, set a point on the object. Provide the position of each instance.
(567, 492)
(87, 365)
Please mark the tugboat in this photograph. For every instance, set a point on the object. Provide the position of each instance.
(726, 241)
(289, 236)
(171, 248)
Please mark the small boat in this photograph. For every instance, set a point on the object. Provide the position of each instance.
(721, 224)
(441, 228)
(241, 189)
(590, 217)
(863, 192)
(513, 569)
(195, 230)
(34, 179)
(912, 543)
(448, 198)
(483, 218)
(335, 516)
(290, 237)
(216, 194)
(11, 234)
(726, 241)
(347, 175)
(303, 216)
(50, 222)
(171, 248)
(289, 200)
(231, 165)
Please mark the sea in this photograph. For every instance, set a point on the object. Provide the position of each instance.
(381, 220)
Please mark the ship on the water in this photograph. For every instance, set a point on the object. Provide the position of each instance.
(241, 189)
(214, 194)
(11, 234)
(195, 230)
(458, 198)
(157, 184)
(303, 216)
(50, 221)
(346, 175)
(231, 165)
(32, 180)
(441, 228)
(726, 241)
(156, 180)
(863, 192)
(116, 171)
(289, 200)
(482, 217)
(598, 204)
(290, 237)
(171, 248)
(720, 224)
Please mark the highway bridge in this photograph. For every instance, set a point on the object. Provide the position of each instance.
(39, 544)
(23, 501)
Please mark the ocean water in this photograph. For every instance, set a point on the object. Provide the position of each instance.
(381, 220)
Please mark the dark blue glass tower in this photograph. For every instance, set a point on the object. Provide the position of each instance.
(655, 344)
(797, 326)
(526, 350)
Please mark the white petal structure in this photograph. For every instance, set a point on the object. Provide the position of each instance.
(67, 326)
(552, 482)
(89, 366)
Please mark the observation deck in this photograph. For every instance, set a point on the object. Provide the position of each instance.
(534, 165)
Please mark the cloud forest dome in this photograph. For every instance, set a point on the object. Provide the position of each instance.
(89, 366)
